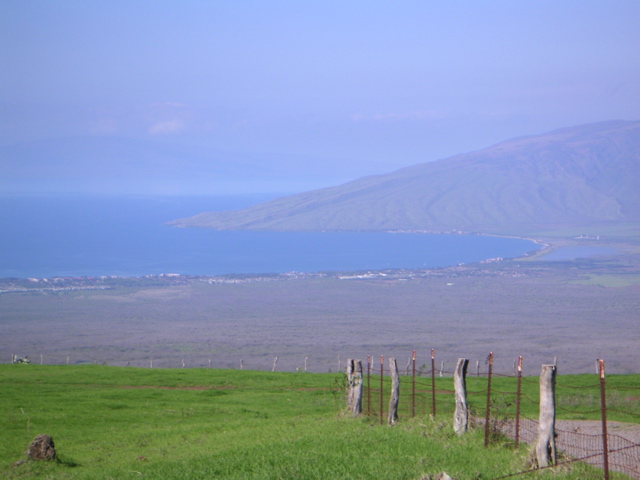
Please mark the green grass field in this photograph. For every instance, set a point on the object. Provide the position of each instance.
(121, 423)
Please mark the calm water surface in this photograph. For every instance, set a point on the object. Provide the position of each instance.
(78, 236)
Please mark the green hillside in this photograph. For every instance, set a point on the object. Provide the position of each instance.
(125, 423)
(586, 176)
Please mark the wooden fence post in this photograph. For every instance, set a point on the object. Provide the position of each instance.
(354, 386)
(546, 449)
(349, 372)
(358, 384)
(395, 392)
(461, 415)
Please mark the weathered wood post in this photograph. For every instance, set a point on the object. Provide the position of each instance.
(395, 392)
(546, 449)
(354, 386)
(349, 372)
(461, 415)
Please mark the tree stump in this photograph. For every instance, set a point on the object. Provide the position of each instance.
(42, 448)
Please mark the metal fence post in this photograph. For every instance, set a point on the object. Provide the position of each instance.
(381, 389)
(433, 382)
(518, 394)
(487, 417)
(413, 387)
(368, 384)
(603, 406)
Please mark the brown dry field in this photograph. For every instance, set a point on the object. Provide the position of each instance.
(574, 312)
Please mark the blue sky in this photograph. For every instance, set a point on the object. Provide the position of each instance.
(378, 84)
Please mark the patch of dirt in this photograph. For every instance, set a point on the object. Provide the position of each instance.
(582, 439)
(629, 431)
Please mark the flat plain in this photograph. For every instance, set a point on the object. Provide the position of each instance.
(570, 312)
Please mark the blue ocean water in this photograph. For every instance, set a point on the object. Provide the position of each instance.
(77, 236)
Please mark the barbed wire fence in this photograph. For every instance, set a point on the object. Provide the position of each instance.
(501, 404)
(497, 404)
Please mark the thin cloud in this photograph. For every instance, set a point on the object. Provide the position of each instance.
(167, 118)
(167, 127)
(397, 117)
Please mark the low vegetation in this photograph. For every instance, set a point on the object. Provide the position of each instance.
(517, 187)
(117, 422)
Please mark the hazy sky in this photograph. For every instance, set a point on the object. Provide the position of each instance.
(367, 81)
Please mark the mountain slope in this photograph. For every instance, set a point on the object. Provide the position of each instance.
(571, 177)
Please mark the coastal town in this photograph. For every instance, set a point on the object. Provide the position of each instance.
(487, 269)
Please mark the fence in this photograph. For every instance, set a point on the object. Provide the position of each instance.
(505, 406)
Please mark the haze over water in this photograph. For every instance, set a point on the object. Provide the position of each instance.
(75, 236)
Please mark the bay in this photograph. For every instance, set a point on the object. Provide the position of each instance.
(84, 236)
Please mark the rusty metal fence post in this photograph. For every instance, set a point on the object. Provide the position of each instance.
(368, 384)
(487, 417)
(603, 406)
(518, 395)
(433, 382)
(413, 386)
(381, 389)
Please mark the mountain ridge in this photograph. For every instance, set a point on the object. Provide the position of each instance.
(570, 177)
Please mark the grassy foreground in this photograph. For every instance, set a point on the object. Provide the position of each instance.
(120, 423)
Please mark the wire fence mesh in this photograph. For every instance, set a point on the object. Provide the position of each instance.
(506, 404)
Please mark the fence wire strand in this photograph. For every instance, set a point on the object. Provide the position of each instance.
(623, 455)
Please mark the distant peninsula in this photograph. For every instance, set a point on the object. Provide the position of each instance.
(583, 179)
